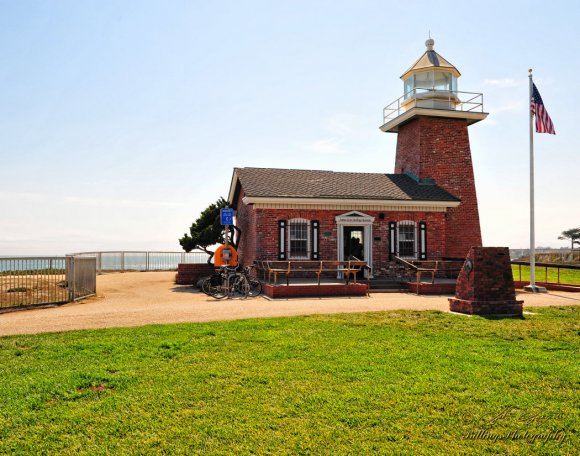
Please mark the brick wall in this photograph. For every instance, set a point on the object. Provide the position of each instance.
(190, 273)
(246, 222)
(260, 232)
(299, 291)
(438, 148)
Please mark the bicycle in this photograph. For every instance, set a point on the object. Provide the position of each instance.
(231, 282)
(255, 284)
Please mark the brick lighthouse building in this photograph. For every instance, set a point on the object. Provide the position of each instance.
(425, 210)
(431, 121)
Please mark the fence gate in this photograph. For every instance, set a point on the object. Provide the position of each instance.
(81, 275)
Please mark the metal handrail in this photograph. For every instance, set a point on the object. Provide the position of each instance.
(440, 266)
(546, 266)
(549, 265)
(137, 251)
(121, 260)
(405, 263)
(472, 104)
(35, 257)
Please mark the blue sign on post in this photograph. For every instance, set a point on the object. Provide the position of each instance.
(227, 216)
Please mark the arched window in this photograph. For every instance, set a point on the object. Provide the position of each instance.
(407, 238)
(298, 239)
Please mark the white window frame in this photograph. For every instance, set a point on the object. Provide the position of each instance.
(296, 221)
(414, 225)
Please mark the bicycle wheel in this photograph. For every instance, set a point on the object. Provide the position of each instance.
(242, 287)
(218, 291)
(205, 286)
(250, 272)
(255, 288)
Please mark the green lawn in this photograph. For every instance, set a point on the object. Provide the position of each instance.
(389, 382)
(567, 276)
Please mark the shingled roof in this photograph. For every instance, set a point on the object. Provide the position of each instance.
(302, 183)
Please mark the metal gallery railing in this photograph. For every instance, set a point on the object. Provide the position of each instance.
(451, 100)
(137, 260)
(30, 281)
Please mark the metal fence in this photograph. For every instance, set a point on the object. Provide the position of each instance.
(28, 281)
(81, 273)
(142, 260)
(566, 274)
(561, 255)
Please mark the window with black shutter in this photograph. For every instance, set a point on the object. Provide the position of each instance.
(281, 239)
(314, 238)
(392, 239)
(422, 241)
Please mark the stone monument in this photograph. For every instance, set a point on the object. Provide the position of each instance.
(485, 285)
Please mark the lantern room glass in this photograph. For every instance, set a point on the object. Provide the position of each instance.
(429, 80)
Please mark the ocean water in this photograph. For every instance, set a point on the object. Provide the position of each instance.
(32, 264)
(107, 261)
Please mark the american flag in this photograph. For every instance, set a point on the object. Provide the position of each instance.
(543, 122)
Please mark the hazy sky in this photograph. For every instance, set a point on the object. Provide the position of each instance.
(120, 121)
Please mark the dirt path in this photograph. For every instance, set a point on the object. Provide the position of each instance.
(141, 298)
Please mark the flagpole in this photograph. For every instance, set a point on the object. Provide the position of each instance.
(532, 221)
(532, 286)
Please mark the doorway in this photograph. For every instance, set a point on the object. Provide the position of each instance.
(356, 225)
(354, 245)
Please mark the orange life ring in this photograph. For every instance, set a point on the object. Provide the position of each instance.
(218, 257)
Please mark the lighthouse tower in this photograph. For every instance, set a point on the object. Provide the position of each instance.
(431, 120)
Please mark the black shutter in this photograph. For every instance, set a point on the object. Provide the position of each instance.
(281, 239)
(314, 239)
(422, 241)
(392, 239)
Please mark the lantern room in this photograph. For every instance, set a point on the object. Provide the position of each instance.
(431, 79)
(430, 88)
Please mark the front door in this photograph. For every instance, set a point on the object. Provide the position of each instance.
(354, 244)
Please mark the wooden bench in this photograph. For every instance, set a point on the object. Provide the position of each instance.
(261, 266)
(446, 268)
(429, 267)
(348, 268)
(304, 267)
(275, 268)
(288, 268)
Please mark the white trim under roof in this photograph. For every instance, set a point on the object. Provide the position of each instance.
(259, 201)
(232, 191)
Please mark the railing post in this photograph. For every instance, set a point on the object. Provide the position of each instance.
(147, 261)
(70, 277)
(100, 259)
(123, 261)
